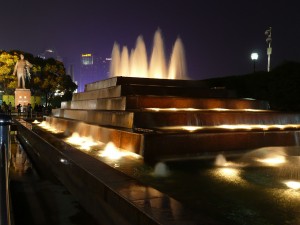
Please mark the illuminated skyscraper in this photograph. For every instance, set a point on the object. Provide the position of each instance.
(92, 68)
(86, 59)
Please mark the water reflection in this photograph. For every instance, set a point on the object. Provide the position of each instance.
(233, 190)
(19, 160)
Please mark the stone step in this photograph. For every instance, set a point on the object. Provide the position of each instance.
(134, 90)
(116, 81)
(142, 102)
(160, 147)
(154, 120)
(155, 146)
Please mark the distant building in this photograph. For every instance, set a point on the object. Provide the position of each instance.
(92, 68)
(70, 71)
(87, 59)
(50, 53)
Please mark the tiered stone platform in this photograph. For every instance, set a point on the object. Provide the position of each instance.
(138, 115)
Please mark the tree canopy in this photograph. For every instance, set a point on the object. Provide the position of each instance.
(280, 86)
(48, 76)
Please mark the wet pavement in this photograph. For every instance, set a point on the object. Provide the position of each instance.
(109, 194)
(38, 199)
(243, 191)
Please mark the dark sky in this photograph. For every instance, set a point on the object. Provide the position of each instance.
(218, 35)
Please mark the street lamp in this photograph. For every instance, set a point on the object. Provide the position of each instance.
(269, 49)
(254, 57)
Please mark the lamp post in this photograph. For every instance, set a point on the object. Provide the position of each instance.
(254, 57)
(269, 49)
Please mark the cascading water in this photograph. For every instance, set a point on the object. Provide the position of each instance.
(136, 64)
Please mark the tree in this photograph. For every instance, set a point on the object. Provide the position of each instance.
(47, 76)
(7, 63)
(51, 79)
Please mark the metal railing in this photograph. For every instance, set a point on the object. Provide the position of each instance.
(5, 206)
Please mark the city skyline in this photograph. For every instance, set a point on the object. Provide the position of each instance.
(218, 37)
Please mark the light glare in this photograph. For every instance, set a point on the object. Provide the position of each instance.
(292, 184)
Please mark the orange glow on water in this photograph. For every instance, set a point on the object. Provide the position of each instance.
(273, 161)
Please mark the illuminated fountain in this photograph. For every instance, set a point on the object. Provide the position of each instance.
(161, 119)
(136, 63)
(229, 160)
(176, 127)
(260, 186)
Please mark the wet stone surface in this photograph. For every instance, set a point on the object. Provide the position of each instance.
(40, 200)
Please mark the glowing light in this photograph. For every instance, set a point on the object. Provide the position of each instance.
(64, 161)
(228, 174)
(195, 109)
(264, 127)
(292, 184)
(172, 109)
(273, 161)
(112, 152)
(36, 122)
(232, 127)
(219, 109)
(84, 143)
(238, 126)
(191, 128)
(87, 143)
(279, 126)
(74, 139)
(48, 127)
(86, 55)
(254, 56)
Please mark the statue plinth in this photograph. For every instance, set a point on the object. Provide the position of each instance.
(22, 96)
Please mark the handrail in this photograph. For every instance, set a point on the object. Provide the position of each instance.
(4, 187)
(5, 205)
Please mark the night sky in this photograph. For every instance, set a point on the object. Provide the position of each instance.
(218, 36)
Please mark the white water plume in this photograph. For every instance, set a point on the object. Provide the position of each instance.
(136, 63)
(161, 170)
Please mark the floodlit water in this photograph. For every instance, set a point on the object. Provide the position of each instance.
(248, 190)
(258, 188)
(244, 191)
(233, 195)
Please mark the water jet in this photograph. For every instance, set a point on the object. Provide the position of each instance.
(188, 126)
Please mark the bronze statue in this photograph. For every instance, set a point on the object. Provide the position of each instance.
(22, 68)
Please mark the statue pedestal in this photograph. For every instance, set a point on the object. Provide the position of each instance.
(22, 96)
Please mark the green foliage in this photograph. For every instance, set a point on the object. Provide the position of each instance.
(47, 76)
(7, 80)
